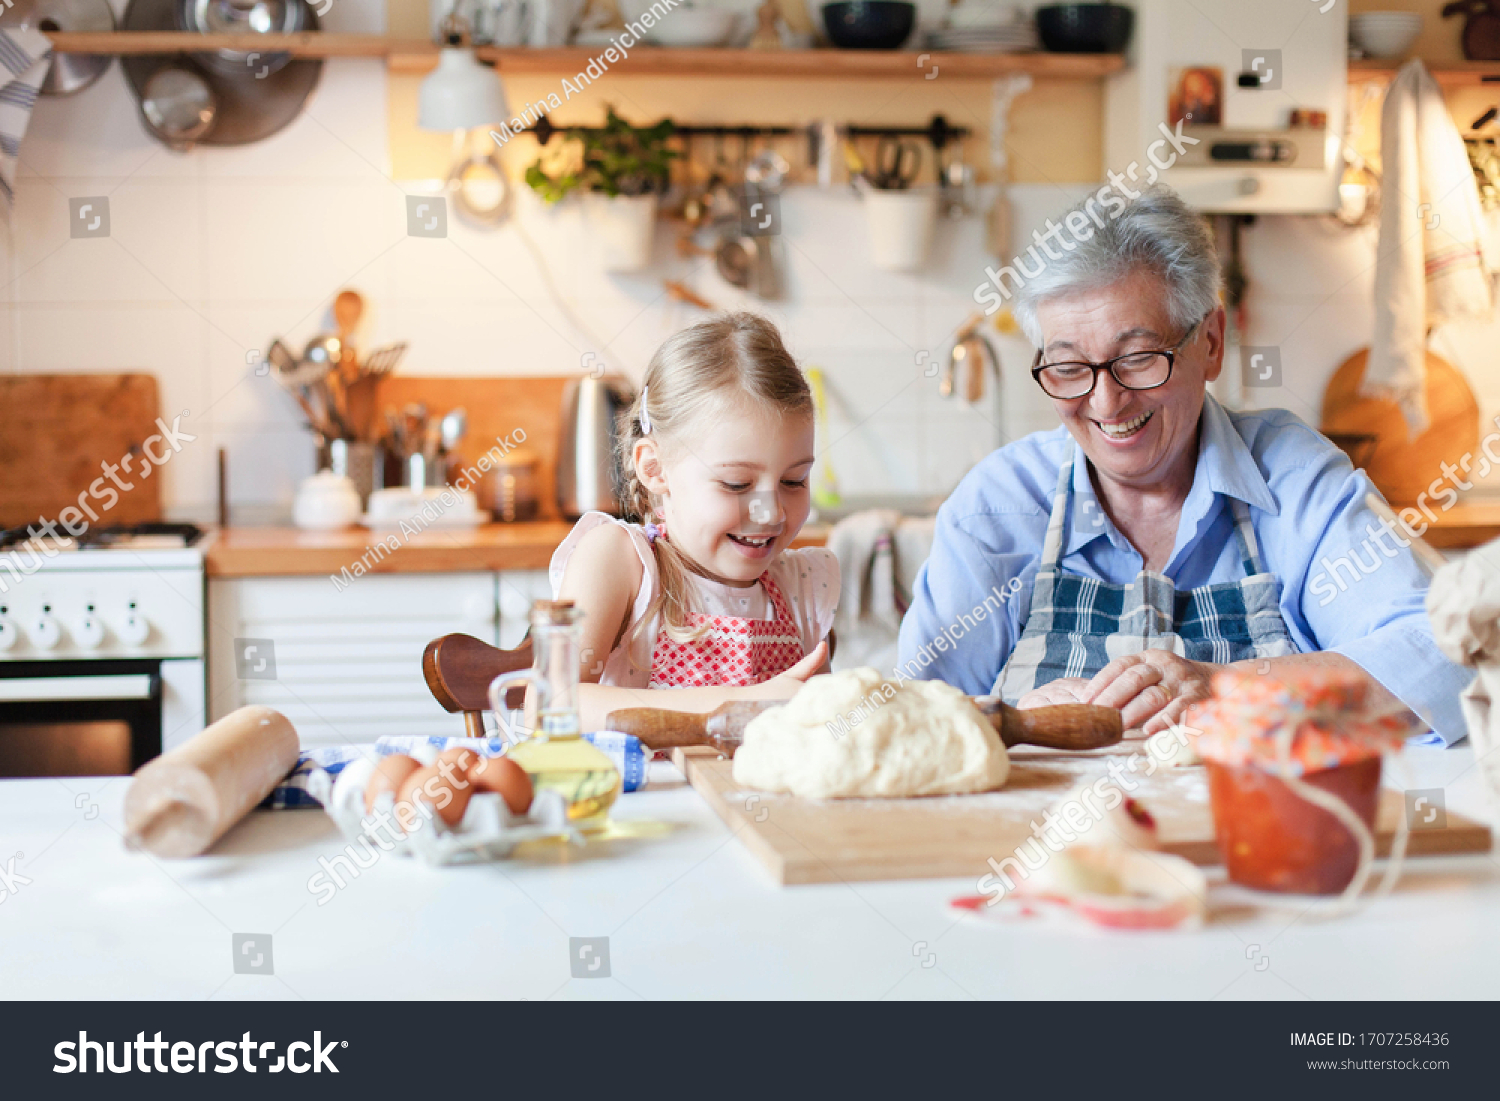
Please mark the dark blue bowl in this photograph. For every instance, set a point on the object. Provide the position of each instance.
(869, 24)
(1084, 28)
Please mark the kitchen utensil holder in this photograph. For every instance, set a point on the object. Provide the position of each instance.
(362, 463)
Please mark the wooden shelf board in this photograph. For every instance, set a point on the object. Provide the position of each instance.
(1445, 73)
(415, 56)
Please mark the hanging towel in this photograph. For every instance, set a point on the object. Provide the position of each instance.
(879, 553)
(1430, 266)
(25, 55)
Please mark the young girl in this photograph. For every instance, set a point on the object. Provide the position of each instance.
(694, 598)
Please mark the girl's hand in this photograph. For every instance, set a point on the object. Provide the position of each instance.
(784, 686)
(1062, 690)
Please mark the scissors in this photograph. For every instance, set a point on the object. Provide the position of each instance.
(896, 163)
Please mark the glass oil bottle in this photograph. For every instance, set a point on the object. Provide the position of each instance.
(556, 755)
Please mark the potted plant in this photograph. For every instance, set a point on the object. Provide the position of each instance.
(623, 170)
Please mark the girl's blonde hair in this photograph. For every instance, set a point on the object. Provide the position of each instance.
(735, 357)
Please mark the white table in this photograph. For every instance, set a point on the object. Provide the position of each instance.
(688, 913)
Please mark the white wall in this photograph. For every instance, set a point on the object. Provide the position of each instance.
(213, 253)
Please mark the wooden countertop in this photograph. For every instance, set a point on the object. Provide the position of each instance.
(288, 552)
(1464, 526)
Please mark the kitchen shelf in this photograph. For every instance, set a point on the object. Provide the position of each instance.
(415, 56)
(1447, 73)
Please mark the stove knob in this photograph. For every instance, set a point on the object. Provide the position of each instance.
(45, 631)
(8, 632)
(89, 633)
(136, 628)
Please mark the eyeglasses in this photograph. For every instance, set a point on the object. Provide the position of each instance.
(1133, 371)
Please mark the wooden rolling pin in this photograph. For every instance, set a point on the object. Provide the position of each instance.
(1064, 726)
(182, 802)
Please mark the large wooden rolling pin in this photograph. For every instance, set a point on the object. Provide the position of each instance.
(182, 802)
(1072, 726)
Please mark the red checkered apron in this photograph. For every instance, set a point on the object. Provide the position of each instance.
(733, 651)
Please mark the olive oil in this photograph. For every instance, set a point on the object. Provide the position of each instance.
(556, 756)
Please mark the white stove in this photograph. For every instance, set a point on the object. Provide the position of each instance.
(101, 648)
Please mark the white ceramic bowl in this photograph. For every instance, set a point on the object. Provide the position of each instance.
(325, 502)
(1385, 34)
(694, 27)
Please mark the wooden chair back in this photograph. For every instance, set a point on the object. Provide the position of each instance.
(458, 670)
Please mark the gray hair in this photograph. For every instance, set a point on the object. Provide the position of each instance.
(1157, 233)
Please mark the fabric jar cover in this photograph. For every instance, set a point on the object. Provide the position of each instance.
(1326, 710)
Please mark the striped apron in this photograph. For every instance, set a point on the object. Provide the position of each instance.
(1078, 625)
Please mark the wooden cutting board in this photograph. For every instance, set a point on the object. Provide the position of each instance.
(58, 429)
(1401, 467)
(844, 840)
(496, 408)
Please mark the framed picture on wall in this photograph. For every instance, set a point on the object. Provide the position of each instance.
(1195, 96)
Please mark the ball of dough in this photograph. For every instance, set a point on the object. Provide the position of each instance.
(1174, 748)
(856, 734)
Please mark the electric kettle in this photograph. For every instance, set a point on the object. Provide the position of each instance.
(586, 474)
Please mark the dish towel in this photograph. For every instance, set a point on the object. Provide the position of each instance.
(1430, 266)
(879, 553)
(25, 55)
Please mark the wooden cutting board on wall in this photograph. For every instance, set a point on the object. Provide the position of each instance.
(59, 429)
(496, 407)
(843, 840)
(1374, 433)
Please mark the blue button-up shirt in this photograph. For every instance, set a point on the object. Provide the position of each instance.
(1347, 585)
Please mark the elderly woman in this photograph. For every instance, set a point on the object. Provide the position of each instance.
(1155, 537)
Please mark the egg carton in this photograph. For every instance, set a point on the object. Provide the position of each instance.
(489, 830)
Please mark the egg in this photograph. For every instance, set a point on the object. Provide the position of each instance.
(428, 785)
(507, 779)
(387, 777)
(460, 758)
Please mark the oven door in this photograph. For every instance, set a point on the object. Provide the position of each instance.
(79, 718)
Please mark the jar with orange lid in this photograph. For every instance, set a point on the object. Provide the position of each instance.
(1293, 765)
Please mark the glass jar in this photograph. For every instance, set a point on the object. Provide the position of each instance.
(556, 755)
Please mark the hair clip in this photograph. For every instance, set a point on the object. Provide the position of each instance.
(644, 418)
(654, 531)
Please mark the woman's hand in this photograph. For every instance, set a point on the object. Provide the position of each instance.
(784, 686)
(1151, 689)
(1062, 690)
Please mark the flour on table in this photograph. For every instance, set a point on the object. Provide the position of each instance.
(856, 734)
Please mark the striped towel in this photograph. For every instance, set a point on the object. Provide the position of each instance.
(624, 750)
(25, 55)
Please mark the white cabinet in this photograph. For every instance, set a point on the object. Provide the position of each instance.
(518, 588)
(344, 665)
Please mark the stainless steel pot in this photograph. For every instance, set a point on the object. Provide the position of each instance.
(586, 471)
(246, 17)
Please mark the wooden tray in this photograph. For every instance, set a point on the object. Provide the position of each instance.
(837, 840)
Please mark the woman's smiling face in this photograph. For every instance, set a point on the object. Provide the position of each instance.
(734, 494)
(1135, 438)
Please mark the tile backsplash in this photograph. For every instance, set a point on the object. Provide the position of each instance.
(214, 253)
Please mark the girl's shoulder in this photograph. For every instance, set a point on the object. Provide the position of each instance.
(603, 542)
